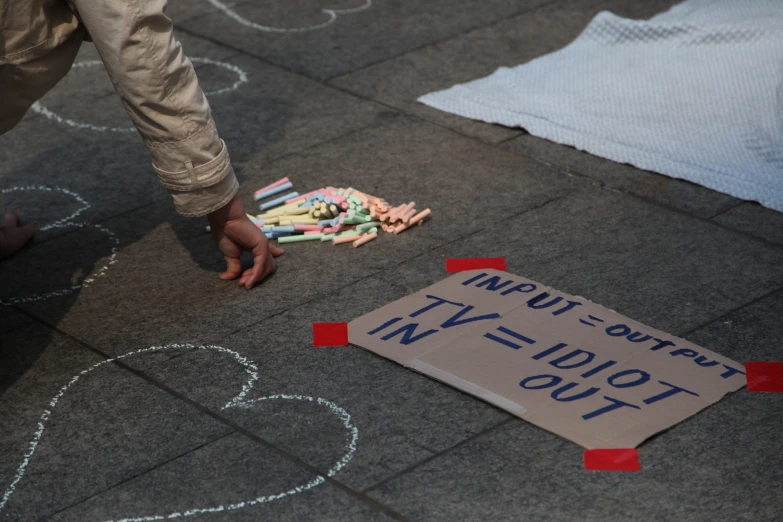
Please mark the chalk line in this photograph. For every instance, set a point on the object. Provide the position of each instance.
(237, 402)
(41, 109)
(59, 222)
(90, 279)
(331, 15)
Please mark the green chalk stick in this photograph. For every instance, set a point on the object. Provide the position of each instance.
(350, 221)
(326, 237)
(351, 232)
(366, 226)
(294, 239)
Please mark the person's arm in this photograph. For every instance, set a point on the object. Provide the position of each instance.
(160, 92)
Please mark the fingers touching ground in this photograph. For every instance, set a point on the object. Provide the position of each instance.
(233, 268)
(263, 266)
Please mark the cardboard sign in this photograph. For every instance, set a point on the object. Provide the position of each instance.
(561, 362)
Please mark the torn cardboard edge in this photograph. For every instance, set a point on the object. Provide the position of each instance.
(556, 360)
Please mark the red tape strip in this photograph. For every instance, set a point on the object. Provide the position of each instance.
(612, 460)
(330, 334)
(764, 376)
(461, 264)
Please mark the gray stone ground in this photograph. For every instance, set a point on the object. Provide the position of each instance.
(149, 435)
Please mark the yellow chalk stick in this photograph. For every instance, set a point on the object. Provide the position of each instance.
(303, 220)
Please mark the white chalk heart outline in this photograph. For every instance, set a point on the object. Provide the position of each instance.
(331, 14)
(41, 109)
(100, 272)
(239, 401)
(44, 188)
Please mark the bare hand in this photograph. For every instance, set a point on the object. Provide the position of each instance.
(12, 236)
(234, 233)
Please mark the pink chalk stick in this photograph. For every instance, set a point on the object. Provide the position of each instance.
(273, 185)
(311, 232)
(308, 228)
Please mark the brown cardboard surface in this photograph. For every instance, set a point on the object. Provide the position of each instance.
(561, 362)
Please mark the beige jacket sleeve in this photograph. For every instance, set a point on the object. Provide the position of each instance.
(160, 92)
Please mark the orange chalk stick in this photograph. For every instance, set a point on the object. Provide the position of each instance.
(418, 217)
(346, 239)
(365, 239)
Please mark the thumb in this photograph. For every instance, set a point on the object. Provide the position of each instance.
(10, 219)
(27, 231)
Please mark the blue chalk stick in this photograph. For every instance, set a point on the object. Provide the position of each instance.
(284, 228)
(278, 201)
(273, 191)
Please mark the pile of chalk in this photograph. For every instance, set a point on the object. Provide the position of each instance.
(339, 215)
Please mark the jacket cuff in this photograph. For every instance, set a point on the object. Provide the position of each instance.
(197, 171)
(200, 202)
(200, 160)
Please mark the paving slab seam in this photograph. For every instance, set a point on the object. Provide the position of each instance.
(733, 310)
(466, 32)
(327, 141)
(137, 475)
(522, 132)
(420, 118)
(423, 462)
(324, 81)
(595, 182)
(338, 289)
(73, 230)
(742, 202)
(293, 459)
